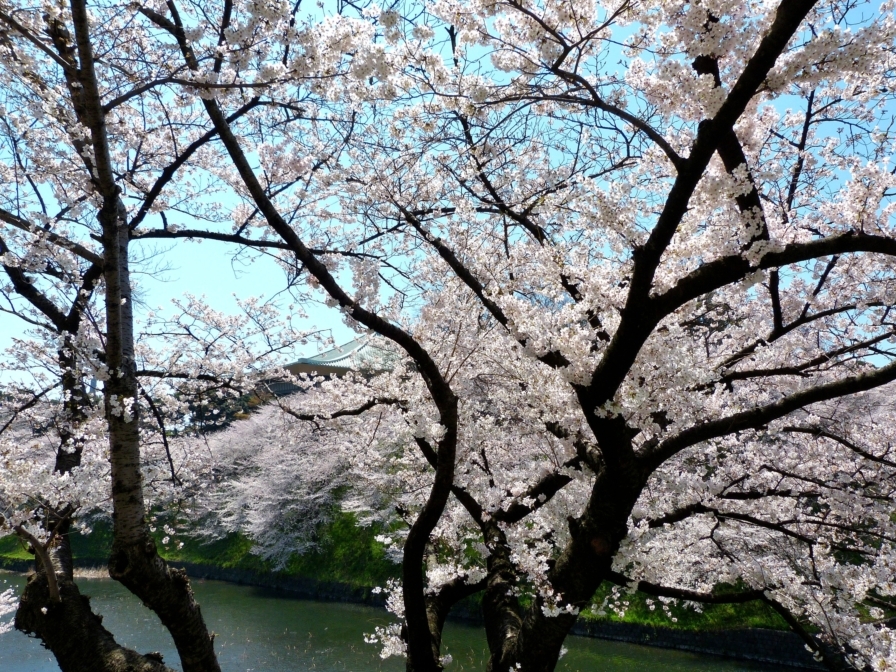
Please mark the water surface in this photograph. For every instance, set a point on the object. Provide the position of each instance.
(263, 630)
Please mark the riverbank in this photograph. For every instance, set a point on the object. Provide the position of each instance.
(762, 645)
(350, 564)
(260, 629)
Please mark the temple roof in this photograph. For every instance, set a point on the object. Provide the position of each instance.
(356, 355)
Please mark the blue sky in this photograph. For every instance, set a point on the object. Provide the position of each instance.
(207, 269)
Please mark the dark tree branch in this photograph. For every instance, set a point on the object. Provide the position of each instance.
(658, 590)
(54, 238)
(24, 287)
(160, 421)
(757, 417)
(169, 171)
(345, 413)
(821, 432)
(726, 270)
(68, 68)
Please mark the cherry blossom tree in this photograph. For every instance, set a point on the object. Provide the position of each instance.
(636, 257)
(92, 144)
(658, 236)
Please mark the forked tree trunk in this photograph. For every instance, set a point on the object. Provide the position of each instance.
(581, 568)
(69, 628)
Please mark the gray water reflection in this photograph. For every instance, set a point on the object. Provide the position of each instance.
(261, 630)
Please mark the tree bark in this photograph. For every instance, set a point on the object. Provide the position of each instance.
(51, 607)
(438, 607)
(500, 606)
(69, 628)
(135, 561)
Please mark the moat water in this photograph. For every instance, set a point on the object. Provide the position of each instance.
(266, 631)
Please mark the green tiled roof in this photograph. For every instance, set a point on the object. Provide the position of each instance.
(356, 355)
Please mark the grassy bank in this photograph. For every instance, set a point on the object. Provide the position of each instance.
(347, 554)
(710, 617)
(350, 554)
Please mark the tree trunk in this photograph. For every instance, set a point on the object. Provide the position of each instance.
(135, 561)
(439, 605)
(500, 605)
(582, 567)
(69, 628)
